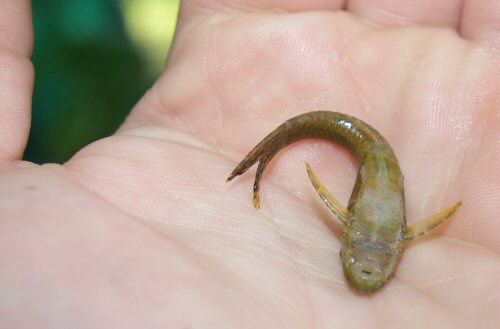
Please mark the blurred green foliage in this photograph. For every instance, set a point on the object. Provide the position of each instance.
(89, 75)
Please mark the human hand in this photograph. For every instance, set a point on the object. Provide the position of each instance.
(141, 230)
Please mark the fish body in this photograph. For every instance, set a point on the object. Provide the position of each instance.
(374, 224)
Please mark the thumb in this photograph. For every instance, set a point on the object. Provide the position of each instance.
(16, 77)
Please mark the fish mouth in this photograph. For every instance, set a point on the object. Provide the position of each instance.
(366, 278)
(368, 265)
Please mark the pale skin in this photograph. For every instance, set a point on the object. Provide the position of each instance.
(141, 230)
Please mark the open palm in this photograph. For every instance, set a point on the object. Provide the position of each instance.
(140, 230)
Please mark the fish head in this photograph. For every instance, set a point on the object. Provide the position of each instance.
(368, 263)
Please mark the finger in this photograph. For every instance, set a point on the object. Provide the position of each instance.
(481, 21)
(16, 28)
(200, 40)
(193, 7)
(408, 12)
(16, 78)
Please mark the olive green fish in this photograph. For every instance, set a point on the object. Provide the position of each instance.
(374, 225)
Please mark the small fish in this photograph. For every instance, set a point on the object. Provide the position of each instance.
(374, 225)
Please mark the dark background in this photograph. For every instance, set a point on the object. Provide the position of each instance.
(93, 60)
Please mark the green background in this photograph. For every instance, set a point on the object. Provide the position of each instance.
(93, 60)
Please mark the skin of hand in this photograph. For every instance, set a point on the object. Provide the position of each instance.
(140, 229)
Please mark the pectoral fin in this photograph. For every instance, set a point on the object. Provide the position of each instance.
(427, 225)
(335, 206)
